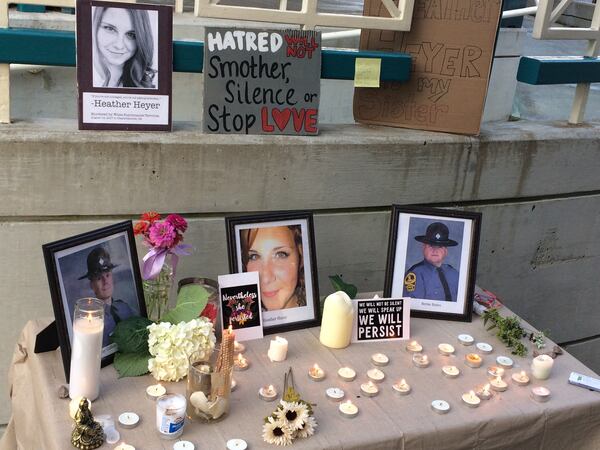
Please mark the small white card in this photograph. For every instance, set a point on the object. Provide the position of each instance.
(239, 294)
(381, 319)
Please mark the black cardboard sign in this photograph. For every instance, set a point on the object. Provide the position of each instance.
(381, 319)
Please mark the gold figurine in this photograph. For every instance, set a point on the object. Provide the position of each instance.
(88, 434)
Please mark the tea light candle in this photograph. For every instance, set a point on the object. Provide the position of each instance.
(504, 362)
(316, 373)
(495, 371)
(541, 366)
(484, 348)
(233, 385)
(238, 347)
(183, 445)
(440, 406)
(129, 420)
(446, 349)
(540, 394)
(473, 360)
(335, 394)
(401, 387)
(420, 360)
(466, 339)
(74, 406)
(155, 391)
(379, 359)
(414, 347)
(124, 446)
(267, 393)
(484, 392)
(347, 374)
(278, 349)
(451, 371)
(348, 410)
(520, 378)
(471, 400)
(369, 389)
(236, 444)
(498, 384)
(241, 363)
(375, 375)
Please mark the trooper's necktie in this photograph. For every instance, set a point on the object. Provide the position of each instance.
(444, 284)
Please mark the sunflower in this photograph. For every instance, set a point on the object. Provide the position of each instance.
(310, 424)
(293, 414)
(276, 432)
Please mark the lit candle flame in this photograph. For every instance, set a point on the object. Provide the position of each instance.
(371, 385)
(230, 329)
(498, 379)
(471, 394)
(402, 382)
(316, 368)
(424, 358)
(523, 375)
(271, 388)
(414, 343)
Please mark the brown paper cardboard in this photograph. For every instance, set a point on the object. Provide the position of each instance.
(452, 45)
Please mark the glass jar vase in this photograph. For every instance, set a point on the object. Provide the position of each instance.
(208, 390)
(157, 292)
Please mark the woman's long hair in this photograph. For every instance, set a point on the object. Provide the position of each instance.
(137, 71)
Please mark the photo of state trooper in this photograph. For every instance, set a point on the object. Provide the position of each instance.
(431, 279)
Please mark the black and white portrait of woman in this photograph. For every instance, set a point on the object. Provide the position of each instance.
(125, 48)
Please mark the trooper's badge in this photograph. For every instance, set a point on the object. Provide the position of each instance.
(410, 281)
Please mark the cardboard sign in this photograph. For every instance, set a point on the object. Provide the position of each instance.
(124, 66)
(381, 319)
(261, 81)
(240, 304)
(452, 45)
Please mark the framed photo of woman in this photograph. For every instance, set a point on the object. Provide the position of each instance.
(101, 264)
(124, 65)
(432, 259)
(280, 247)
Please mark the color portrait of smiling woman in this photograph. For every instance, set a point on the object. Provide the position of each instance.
(276, 254)
(123, 48)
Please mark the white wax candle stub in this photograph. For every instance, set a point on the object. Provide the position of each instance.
(336, 325)
(236, 444)
(440, 406)
(316, 373)
(451, 371)
(471, 400)
(376, 375)
(129, 420)
(369, 389)
(420, 360)
(74, 406)
(155, 391)
(183, 445)
(520, 378)
(541, 366)
(379, 359)
(401, 387)
(335, 394)
(347, 374)
(445, 349)
(485, 348)
(466, 339)
(414, 347)
(124, 446)
(267, 393)
(278, 349)
(540, 393)
(348, 409)
(505, 362)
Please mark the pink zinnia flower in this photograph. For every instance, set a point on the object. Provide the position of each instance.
(178, 222)
(162, 234)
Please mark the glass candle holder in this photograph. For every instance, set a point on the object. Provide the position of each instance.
(86, 348)
(208, 390)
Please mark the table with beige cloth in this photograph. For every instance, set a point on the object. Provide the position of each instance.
(512, 419)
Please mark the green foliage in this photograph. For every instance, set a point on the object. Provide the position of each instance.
(131, 335)
(508, 330)
(340, 285)
(191, 300)
(132, 364)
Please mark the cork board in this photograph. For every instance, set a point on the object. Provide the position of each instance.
(452, 45)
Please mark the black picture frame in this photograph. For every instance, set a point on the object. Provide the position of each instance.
(301, 318)
(405, 275)
(64, 256)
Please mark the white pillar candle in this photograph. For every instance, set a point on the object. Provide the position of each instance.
(86, 349)
(336, 325)
(541, 366)
(278, 349)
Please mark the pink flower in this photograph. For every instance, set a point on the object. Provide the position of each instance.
(178, 222)
(162, 235)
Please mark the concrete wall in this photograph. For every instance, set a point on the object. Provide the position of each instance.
(536, 184)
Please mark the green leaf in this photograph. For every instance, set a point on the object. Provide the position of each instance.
(131, 364)
(341, 285)
(131, 335)
(191, 301)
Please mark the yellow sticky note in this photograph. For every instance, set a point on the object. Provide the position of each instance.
(367, 72)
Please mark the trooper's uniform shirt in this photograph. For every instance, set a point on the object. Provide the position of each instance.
(115, 312)
(424, 280)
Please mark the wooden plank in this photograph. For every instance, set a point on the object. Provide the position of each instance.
(541, 70)
(57, 48)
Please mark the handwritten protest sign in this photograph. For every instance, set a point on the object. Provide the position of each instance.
(381, 319)
(452, 46)
(261, 81)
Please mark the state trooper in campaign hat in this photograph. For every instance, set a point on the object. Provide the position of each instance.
(98, 261)
(431, 278)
